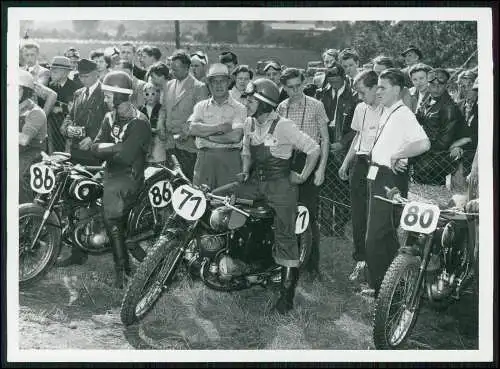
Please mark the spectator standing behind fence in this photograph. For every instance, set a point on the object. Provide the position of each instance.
(180, 96)
(150, 55)
(310, 117)
(151, 110)
(469, 110)
(199, 62)
(230, 59)
(339, 102)
(127, 53)
(329, 57)
(217, 123)
(443, 123)
(103, 62)
(30, 51)
(273, 72)
(64, 88)
(465, 81)
(242, 74)
(398, 137)
(32, 133)
(137, 98)
(381, 63)
(419, 93)
(357, 161)
(87, 111)
(412, 56)
(349, 59)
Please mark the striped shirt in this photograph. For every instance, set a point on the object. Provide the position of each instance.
(308, 114)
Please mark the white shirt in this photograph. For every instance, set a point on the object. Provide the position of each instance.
(366, 120)
(398, 128)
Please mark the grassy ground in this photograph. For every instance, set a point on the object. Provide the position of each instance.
(76, 308)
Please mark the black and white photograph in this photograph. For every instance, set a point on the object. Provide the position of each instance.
(249, 184)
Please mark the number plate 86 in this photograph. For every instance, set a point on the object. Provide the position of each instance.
(419, 217)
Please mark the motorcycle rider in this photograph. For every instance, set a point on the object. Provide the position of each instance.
(123, 141)
(268, 142)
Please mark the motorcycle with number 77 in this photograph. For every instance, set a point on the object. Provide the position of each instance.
(224, 240)
(438, 260)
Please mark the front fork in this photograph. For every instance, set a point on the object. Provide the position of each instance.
(426, 240)
(46, 215)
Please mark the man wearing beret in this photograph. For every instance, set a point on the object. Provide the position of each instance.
(412, 56)
(444, 124)
(65, 88)
(339, 102)
(85, 115)
(273, 72)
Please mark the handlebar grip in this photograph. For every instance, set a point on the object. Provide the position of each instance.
(392, 193)
(93, 168)
(225, 187)
(244, 202)
(175, 161)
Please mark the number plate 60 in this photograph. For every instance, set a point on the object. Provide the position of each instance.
(188, 202)
(419, 217)
(42, 178)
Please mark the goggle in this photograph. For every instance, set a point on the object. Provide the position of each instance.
(249, 90)
(150, 94)
(440, 77)
(272, 65)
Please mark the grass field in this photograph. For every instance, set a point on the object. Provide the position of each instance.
(250, 56)
(76, 307)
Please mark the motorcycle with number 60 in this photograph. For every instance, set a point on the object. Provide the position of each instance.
(224, 240)
(438, 260)
(68, 208)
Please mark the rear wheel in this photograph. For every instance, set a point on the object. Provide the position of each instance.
(394, 317)
(35, 262)
(154, 274)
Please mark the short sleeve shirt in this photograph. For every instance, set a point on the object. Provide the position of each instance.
(365, 121)
(398, 128)
(308, 114)
(210, 112)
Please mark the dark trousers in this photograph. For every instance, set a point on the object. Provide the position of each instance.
(119, 195)
(359, 205)
(383, 219)
(186, 159)
(309, 197)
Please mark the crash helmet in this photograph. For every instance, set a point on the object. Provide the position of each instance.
(264, 90)
(26, 79)
(120, 84)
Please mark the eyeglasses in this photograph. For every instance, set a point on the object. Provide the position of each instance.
(150, 94)
(431, 77)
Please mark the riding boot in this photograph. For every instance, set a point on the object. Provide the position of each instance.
(289, 278)
(116, 232)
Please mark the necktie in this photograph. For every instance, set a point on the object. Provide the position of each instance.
(87, 93)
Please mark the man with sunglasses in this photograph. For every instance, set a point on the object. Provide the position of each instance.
(444, 124)
(268, 142)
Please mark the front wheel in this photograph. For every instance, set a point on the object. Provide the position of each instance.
(394, 317)
(155, 273)
(36, 260)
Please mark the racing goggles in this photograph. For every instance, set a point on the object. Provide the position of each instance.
(251, 90)
(439, 77)
(200, 56)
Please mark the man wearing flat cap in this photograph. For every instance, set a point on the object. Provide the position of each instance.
(444, 125)
(85, 115)
(273, 72)
(217, 125)
(412, 56)
(339, 101)
(64, 87)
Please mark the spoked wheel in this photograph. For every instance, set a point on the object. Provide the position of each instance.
(154, 274)
(35, 260)
(394, 317)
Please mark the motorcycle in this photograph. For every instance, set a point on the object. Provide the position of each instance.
(223, 240)
(68, 208)
(438, 260)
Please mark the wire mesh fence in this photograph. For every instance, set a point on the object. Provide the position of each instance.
(434, 177)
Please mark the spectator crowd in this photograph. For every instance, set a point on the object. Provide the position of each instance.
(375, 126)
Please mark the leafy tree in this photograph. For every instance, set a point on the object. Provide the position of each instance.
(86, 27)
(120, 31)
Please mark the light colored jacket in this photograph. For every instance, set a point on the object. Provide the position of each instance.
(176, 109)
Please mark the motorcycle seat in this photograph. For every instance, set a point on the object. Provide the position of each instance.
(453, 216)
(260, 212)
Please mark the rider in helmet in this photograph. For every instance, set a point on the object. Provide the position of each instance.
(123, 141)
(32, 132)
(268, 142)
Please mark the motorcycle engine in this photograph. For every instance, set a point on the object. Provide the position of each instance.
(210, 245)
(89, 232)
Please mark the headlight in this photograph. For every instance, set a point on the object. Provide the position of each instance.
(224, 218)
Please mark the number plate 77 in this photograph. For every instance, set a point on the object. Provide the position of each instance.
(419, 217)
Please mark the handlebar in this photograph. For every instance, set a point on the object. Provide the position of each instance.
(178, 168)
(225, 187)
